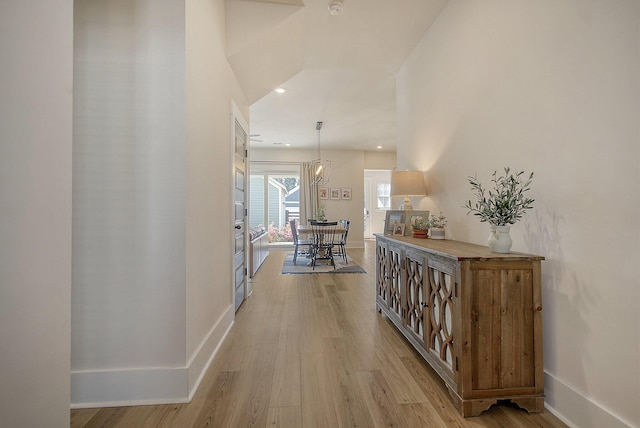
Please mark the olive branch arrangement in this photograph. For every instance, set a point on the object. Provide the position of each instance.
(506, 202)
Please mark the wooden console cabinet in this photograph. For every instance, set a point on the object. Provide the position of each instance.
(474, 315)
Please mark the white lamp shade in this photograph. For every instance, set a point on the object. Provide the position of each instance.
(407, 183)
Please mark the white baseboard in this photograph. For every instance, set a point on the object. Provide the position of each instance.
(145, 386)
(128, 387)
(576, 410)
(206, 352)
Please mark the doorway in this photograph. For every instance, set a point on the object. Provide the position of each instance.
(274, 201)
(377, 200)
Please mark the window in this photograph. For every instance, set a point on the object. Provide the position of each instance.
(383, 193)
(274, 200)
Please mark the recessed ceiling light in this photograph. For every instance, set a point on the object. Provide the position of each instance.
(288, 145)
(281, 90)
(378, 147)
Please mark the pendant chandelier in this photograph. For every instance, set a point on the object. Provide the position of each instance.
(321, 168)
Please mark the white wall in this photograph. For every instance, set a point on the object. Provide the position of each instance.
(347, 170)
(36, 42)
(210, 88)
(128, 295)
(152, 274)
(379, 160)
(550, 87)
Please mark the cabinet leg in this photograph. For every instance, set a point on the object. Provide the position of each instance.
(530, 404)
(475, 407)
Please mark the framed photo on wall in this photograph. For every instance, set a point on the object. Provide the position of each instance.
(346, 193)
(323, 192)
(393, 217)
(335, 193)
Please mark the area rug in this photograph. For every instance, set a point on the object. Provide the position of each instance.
(321, 267)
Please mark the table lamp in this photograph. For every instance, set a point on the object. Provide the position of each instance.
(407, 183)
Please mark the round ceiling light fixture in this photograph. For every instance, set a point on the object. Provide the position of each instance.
(335, 7)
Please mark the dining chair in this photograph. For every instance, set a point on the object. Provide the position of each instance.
(300, 244)
(342, 239)
(324, 235)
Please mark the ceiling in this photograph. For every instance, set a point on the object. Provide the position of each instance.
(339, 70)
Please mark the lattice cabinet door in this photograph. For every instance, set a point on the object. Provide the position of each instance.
(440, 280)
(382, 274)
(395, 266)
(416, 296)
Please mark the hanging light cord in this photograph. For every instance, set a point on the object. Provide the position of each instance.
(319, 168)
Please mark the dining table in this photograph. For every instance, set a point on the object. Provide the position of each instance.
(307, 229)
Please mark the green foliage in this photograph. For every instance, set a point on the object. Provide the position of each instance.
(505, 203)
(288, 182)
(439, 221)
(420, 224)
(320, 214)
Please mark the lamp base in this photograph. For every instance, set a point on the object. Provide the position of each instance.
(406, 205)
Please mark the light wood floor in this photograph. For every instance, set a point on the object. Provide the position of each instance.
(312, 351)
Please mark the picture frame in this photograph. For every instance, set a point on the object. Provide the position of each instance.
(346, 193)
(335, 193)
(411, 216)
(323, 192)
(391, 217)
(398, 229)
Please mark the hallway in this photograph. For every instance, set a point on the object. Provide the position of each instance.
(312, 351)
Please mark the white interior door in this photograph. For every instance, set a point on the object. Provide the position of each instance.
(367, 208)
(240, 283)
(378, 200)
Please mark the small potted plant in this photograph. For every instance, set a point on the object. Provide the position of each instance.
(437, 225)
(501, 206)
(420, 228)
(320, 214)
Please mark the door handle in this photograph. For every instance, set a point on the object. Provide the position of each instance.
(238, 227)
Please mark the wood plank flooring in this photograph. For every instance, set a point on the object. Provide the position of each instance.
(311, 351)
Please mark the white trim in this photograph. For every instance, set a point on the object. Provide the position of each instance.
(127, 403)
(208, 349)
(149, 385)
(576, 410)
(128, 387)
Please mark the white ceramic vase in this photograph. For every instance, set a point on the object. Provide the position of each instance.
(436, 233)
(499, 239)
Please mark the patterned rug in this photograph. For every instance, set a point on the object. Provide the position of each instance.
(321, 266)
